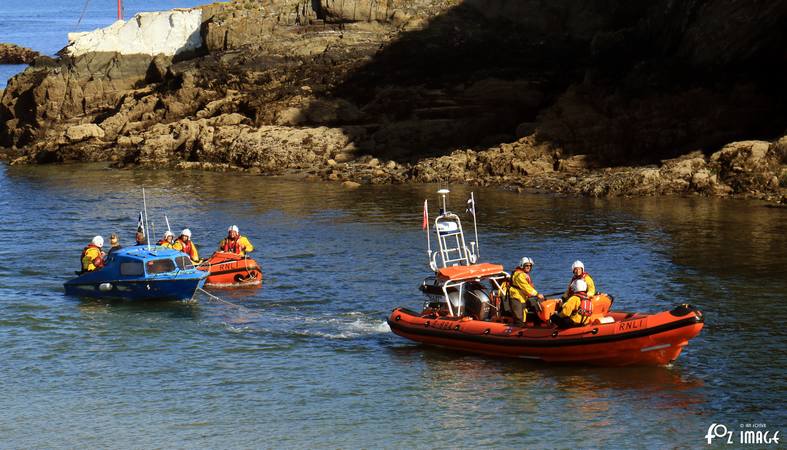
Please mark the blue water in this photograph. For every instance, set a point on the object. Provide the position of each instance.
(307, 361)
(43, 25)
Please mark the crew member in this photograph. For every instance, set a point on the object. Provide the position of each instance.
(235, 243)
(114, 243)
(140, 238)
(185, 245)
(577, 309)
(579, 274)
(520, 290)
(168, 240)
(92, 256)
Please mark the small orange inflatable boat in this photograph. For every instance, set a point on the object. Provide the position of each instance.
(231, 270)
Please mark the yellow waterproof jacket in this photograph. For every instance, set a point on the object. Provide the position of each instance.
(89, 256)
(165, 243)
(183, 247)
(240, 246)
(570, 309)
(589, 281)
(521, 286)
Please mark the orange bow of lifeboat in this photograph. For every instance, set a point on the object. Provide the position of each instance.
(464, 311)
(231, 270)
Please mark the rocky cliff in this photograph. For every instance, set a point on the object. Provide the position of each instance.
(14, 54)
(600, 97)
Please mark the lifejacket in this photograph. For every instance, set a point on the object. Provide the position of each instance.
(98, 262)
(585, 308)
(231, 246)
(164, 243)
(186, 247)
(573, 279)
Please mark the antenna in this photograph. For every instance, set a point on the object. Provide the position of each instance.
(167, 220)
(477, 249)
(145, 208)
(443, 194)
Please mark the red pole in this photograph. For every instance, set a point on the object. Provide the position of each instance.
(120, 9)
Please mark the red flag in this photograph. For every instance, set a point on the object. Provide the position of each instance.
(426, 217)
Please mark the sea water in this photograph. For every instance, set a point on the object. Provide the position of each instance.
(308, 361)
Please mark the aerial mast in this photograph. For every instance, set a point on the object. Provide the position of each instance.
(120, 9)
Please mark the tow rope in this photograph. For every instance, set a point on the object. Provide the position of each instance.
(221, 300)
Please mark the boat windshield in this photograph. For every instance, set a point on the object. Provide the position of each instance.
(184, 262)
(160, 266)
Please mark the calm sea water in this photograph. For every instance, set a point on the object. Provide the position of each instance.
(307, 361)
(43, 25)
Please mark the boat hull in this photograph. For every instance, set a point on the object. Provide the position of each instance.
(632, 339)
(231, 270)
(182, 288)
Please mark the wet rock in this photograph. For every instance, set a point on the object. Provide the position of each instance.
(83, 132)
(351, 184)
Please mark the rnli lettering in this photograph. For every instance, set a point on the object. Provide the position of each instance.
(631, 325)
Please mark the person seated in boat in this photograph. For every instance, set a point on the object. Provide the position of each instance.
(577, 309)
(168, 240)
(185, 245)
(140, 238)
(578, 269)
(235, 243)
(520, 290)
(92, 255)
(114, 243)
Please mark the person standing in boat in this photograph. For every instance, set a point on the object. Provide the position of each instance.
(168, 240)
(520, 289)
(235, 243)
(185, 245)
(92, 256)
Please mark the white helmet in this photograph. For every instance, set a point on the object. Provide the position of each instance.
(526, 260)
(233, 228)
(168, 234)
(98, 241)
(576, 264)
(579, 286)
(186, 232)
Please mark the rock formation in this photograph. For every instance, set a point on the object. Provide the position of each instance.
(14, 54)
(598, 97)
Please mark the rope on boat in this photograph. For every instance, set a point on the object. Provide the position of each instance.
(221, 300)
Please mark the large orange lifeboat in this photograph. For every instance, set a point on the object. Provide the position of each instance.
(231, 270)
(465, 309)
(609, 338)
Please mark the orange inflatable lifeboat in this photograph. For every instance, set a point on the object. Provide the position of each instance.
(231, 270)
(464, 311)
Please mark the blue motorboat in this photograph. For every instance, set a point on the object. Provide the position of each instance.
(140, 273)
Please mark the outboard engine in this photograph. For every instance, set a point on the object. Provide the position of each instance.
(477, 302)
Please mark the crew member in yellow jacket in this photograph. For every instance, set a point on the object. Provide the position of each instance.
(577, 306)
(185, 245)
(520, 289)
(92, 256)
(235, 243)
(168, 240)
